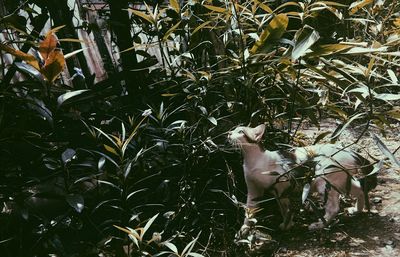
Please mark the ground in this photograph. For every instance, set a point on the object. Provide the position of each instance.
(368, 234)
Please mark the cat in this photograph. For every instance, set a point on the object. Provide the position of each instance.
(333, 171)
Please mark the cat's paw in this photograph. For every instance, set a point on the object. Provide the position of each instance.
(316, 225)
(353, 211)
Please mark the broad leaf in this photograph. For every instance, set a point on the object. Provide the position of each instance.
(385, 150)
(54, 65)
(323, 50)
(76, 201)
(273, 32)
(48, 45)
(388, 97)
(305, 40)
(68, 155)
(64, 97)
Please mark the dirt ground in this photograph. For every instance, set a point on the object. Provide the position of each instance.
(368, 234)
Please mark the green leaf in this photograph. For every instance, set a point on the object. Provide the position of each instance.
(385, 150)
(64, 97)
(273, 32)
(172, 247)
(147, 226)
(388, 97)
(75, 201)
(339, 131)
(307, 38)
(68, 155)
(213, 121)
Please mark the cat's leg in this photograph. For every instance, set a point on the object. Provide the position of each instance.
(287, 214)
(253, 193)
(331, 209)
(358, 193)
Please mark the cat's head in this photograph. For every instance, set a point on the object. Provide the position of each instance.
(246, 135)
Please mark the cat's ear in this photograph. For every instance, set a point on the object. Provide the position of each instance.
(258, 132)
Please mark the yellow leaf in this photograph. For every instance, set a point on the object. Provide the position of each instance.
(143, 16)
(356, 6)
(263, 6)
(54, 30)
(201, 26)
(171, 30)
(48, 45)
(175, 5)
(272, 32)
(28, 58)
(110, 149)
(168, 94)
(215, 8)
(396, 22)
(328, 49)
(53, 65)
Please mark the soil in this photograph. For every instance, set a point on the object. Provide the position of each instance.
(376, 233)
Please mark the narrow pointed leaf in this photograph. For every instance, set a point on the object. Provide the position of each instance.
(215, 8)
(64, 97)
(274, 31)
(385, 150)
(28, 58)
(306, 39)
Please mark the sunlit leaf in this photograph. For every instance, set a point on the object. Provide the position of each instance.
(172, 247)
(28, 58)
(175, 5)
(215, 8)
(54, 65)
(340, 129)
(144, 16)
(28, 69)
(48, 45)
(148, 224)
(64, 97)
(323, 50)
(393, 76)
(385, 150)
(306, 39)
(213, 121)
(110, 149)
(356, 6)
(274, 31)
(69, 55)
(388, 97)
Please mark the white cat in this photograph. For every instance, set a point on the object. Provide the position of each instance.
(333, 173)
